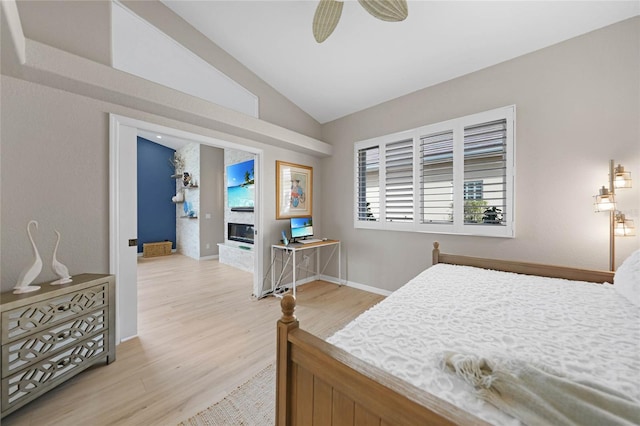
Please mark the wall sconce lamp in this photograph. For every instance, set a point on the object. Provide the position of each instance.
(605, 202)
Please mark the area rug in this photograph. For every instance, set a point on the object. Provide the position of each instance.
(251, 404)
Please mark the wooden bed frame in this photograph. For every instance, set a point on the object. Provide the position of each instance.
(320, 384)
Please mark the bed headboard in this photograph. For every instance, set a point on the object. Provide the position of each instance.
(540, 269)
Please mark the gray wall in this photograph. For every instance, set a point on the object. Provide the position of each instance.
(55, 143)
(55, 169)
(79, 27)
(83, 28)
(211, 199)
(577, 107)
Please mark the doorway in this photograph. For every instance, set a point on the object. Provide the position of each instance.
(123, 133)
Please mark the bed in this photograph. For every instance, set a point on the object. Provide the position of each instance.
(348, 380)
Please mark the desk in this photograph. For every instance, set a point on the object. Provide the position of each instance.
(293, 251)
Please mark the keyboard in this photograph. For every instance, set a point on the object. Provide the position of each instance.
(310, 240)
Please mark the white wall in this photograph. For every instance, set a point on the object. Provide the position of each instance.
(577, 107)
(188, 230)
(139, 48)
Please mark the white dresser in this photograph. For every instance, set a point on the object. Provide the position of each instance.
(50, 335)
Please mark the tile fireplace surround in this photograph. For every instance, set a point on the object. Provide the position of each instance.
(238, 255)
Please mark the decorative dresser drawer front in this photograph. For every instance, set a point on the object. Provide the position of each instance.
(23, 321)
(41, 345)
(31, 382)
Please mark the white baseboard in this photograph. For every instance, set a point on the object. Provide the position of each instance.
(300, 282)
(359, 286)
(213, 256)
(135, 336)
(334, 280)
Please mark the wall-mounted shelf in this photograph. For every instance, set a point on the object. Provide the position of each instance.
(188, 217)
(182, 177)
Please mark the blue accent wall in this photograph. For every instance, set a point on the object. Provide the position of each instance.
(156, 211)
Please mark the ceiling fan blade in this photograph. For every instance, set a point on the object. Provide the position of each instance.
(326, 19)
(386, 10)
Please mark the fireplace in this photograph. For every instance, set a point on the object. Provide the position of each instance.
(242, 232)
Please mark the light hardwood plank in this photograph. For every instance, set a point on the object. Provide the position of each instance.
(200, 336)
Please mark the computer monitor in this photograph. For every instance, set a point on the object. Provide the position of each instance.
(301, 227)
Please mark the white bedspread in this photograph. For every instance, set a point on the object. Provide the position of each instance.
(583, 330)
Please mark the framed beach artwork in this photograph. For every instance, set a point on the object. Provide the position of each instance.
(294, 184)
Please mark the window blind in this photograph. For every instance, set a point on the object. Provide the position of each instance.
(456, 176)
(485, 160)
(436, 178)
(368, 178)
(399, 181)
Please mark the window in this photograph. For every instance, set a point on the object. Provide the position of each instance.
(399, 181)
(473, 190)
(436, 167)
(368, 178)
(451, 177)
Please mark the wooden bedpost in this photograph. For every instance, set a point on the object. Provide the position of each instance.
(435, 254)
(287, 323)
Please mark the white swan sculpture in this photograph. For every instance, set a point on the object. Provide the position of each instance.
(31, 272)
(61, 270)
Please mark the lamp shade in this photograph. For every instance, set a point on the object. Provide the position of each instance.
(621, 178)
(605, 201)
(624, 227)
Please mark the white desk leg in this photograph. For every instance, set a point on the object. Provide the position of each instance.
(294, 273)
(273, 272)
(317, 249)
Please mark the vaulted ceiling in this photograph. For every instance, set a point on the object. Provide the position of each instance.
(367, 61)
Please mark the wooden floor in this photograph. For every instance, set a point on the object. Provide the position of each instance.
(200, 336)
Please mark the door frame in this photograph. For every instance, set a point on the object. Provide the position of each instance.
(126, 302)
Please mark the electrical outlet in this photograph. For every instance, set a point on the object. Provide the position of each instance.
(207, 246)
(305, 260)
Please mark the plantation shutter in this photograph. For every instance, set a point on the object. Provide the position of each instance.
(485, 161)
(368, 178)
(399, 181)
(457, 177)
(436, 178)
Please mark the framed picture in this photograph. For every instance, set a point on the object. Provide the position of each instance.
(294, 185)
